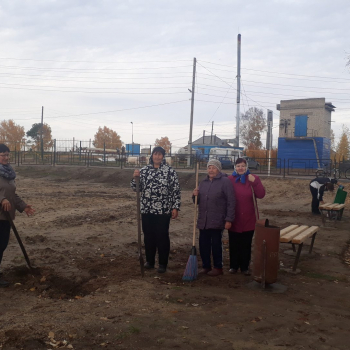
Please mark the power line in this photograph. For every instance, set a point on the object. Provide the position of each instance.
(274, 72)
(110, 62)
(15, 87)
(115, 111)
(302, 86)
(83, 81)
(90, 69)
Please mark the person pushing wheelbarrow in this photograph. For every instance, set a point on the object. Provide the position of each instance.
(317, 187)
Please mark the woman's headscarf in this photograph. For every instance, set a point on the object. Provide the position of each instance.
(242, 177)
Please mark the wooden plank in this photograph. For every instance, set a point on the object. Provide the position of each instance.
(290, 235)
(288, 229)
(339, 206)
(301, 237)
(324, 205)
(333, 206)
(330, 207)
(327, 205)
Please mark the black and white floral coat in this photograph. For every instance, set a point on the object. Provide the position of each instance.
(159, 188)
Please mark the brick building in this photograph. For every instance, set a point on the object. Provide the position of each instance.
(304, 135)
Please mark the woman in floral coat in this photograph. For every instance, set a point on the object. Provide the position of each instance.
(160, 201)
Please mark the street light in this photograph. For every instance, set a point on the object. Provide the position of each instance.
(132, 138)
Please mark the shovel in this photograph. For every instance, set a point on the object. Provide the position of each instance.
(7, 214)
(138, 215)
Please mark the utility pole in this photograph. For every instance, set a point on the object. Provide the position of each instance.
(41, 133)
(192, 107)
(212, 128)
(269, 137)
(132, 138)
(238, 87)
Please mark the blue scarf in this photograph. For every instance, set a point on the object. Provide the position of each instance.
(241, 177)
(7, 172)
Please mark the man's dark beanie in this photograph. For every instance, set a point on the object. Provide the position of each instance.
(158, 149)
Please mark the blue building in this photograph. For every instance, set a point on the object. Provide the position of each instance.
(305, 129)
(132, 149)
(206, 143)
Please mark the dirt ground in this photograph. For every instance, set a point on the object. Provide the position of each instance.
(90, 295)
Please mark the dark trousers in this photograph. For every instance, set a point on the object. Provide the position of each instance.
(210, 242)
(240, 249)
(315, 201)
(5, 228)
(156, 235)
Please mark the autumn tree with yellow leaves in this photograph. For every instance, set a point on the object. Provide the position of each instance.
(253, 122)
(163, 142)
(108, 138)
(11, 134)
(343, 147)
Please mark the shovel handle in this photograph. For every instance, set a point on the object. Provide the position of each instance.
(8, 216)
(138, 217)
(195, 210)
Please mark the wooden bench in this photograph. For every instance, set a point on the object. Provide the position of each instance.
(331, 212)
(296, 235)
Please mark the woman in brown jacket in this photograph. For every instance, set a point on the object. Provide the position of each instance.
(9, 200)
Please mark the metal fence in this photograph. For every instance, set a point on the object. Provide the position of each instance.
(272, 166)
(80, 153)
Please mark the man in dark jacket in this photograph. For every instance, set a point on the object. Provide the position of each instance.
(160, 201)
(216, 211)
(317, 188)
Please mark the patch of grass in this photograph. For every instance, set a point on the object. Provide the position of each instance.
(122, 335)
(134, 330)
(321, 276)
(176, 288)
(130, 331)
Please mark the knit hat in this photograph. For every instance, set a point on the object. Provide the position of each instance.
(216, 163)
(158, 149)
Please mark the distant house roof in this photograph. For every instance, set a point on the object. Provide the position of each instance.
(211, 141)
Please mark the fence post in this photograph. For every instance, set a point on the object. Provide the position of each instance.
(54, 152)
(104, 153)
(80, 152)
(284, 167)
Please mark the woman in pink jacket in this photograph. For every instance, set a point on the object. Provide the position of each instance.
(242, 229)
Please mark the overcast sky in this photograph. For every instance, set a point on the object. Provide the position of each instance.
(108, 62)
